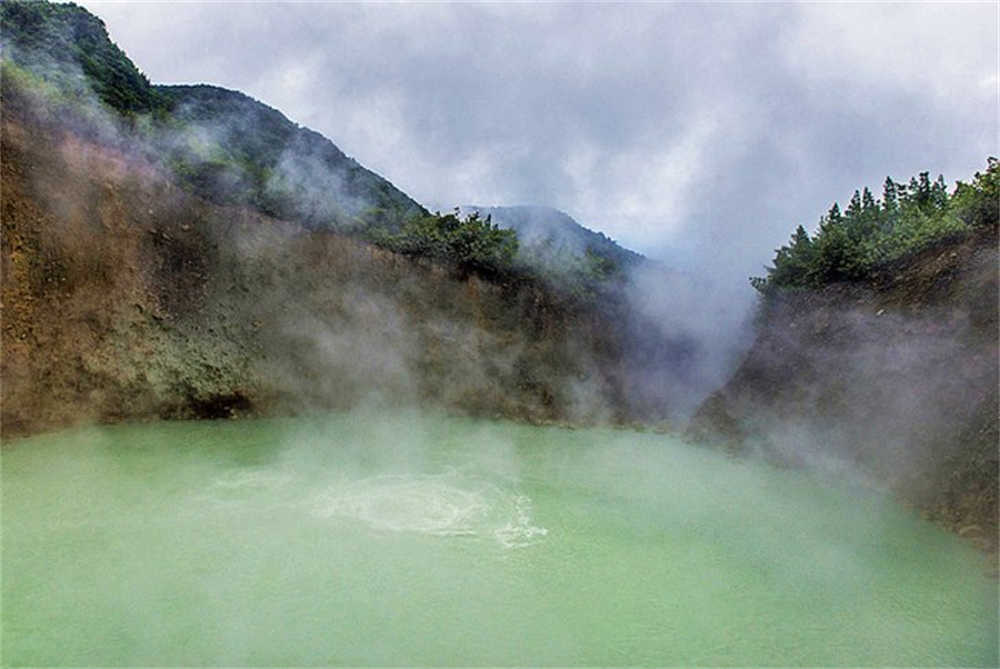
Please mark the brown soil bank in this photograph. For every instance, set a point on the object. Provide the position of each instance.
(125, 297)
(894, 382)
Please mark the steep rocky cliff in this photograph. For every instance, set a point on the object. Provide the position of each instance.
(892, 382)
(186, 251)
(125, 296)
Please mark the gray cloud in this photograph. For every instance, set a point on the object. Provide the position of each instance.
(698, 134)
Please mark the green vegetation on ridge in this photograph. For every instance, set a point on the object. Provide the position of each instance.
(60, 67)
(228, 147)
(871, 234)
(474, 243)
(63, 42)
(564, 253)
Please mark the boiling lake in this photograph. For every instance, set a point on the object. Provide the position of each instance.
(421, 539)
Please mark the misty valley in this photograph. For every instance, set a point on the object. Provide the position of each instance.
(415, 538)
(261, 407)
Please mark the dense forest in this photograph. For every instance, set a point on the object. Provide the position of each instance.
(871, 235)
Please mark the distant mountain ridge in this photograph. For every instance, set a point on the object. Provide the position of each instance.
(558, 246)
(539, 226)
(231, 149)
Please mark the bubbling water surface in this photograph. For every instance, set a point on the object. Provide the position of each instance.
(412, 538)
(442, 505)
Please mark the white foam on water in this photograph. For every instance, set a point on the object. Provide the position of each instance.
(405, 504)
(441, 505)
(520, 532)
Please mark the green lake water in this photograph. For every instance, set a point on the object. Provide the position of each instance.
(418, 539)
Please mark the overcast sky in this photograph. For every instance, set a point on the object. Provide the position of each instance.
(701, 134)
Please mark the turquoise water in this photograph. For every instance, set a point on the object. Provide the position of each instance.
(373, 539)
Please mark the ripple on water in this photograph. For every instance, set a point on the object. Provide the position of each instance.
(435, 505)
(236, 486)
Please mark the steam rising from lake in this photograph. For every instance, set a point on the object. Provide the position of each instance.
(414, 538)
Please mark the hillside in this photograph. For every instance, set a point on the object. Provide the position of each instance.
(125, 297)
(232, 149)
(185, 251)
(553, 242)
(890, 381)
(62, 70)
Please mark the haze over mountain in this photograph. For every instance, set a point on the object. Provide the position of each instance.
(695, 133)
(551, 239)
(545, 226)
(268, 271)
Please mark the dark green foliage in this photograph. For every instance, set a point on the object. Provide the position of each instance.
(570, 258)
(61, 68)
(473, 244)
(837, 254)
(977, 204)
(793, 262)
(553, 238)
(62, 42)
(871, 233)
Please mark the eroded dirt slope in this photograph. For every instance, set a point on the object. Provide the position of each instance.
(894, 382)
(125, 297)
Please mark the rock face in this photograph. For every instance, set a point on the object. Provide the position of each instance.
(894, 383)
(186, 251)
(125, 297)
